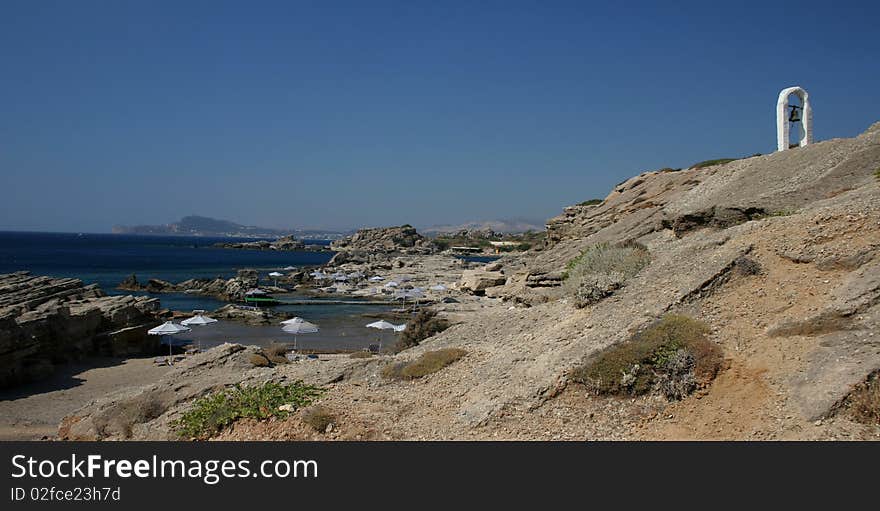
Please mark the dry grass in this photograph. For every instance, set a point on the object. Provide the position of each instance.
(429, 363)
(277, 349)
(318, 417)
(673, 355)
(601, 269)
(361, 354)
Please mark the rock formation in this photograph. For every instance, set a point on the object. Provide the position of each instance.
(45, 321)
(227, 290)
(386, 240)
(283, 243)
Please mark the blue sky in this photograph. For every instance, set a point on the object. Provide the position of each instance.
(350, 114)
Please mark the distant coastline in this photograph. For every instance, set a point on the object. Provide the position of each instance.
(201, 226)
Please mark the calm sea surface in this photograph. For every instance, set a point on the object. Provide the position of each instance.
(106, 259)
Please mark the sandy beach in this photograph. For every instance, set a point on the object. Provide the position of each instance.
(33, 411)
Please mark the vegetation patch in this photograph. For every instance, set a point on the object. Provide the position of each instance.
(259, 360)
(877, 174)
(863, 403)
(709, 163)
(601, 269)
(673, 356)
(424, 324)
(428, 363)
(591, 202)
(210, 414)
(318, 417)
(746, 266)
(275, 354)
(361, 354)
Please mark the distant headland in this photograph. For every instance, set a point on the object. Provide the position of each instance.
(195, 225)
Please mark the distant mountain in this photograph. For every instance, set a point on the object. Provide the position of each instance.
(512, 226)
(195, 225)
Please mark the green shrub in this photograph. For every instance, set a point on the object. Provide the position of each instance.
(877, 174)
(318, 417)
(210, 414)
(709, 163)
(673, 355)
(601, 269)
(591, 202)
(428, 363)
(424, 324)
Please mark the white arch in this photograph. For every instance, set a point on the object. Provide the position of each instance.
(782, 128)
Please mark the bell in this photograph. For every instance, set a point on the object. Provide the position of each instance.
(794, 116)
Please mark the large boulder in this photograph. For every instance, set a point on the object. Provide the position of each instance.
(477, 281)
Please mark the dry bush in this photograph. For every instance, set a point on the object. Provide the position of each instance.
(276, 349)
(428, 363)
(318, 417)
(601, 269)
(863, 402)
(259, 360)
(745, 266)
(278, 359)
(424, 324)
(361, 354)
(673, 355)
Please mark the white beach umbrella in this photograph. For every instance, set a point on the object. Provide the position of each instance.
(289, 268)
(298, 326)
(400, 328)
(409, 293)
(381, 325)
(255, 292)
(356, 275)
(438, 287)
(168, 328)
(391, 283)
(198, 320)
(275, 275)
(376, 279)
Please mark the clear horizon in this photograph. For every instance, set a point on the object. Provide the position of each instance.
(300, 115)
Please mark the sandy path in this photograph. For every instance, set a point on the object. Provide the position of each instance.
(33, 411)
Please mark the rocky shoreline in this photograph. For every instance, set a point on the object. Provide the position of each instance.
(288, 243)
(46, 322)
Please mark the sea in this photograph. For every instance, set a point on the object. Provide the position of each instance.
(107, 259)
